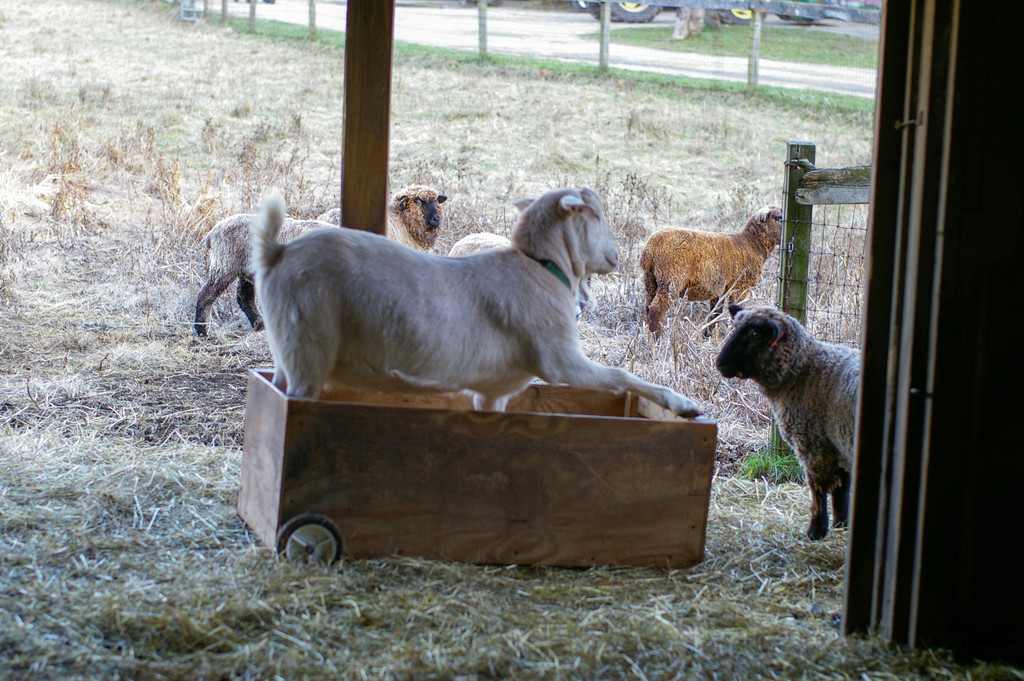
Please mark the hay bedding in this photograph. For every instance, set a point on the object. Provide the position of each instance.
(121, 556)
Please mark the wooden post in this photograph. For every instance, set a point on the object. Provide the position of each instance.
(755, 50)
(606, 36)
(369, 34)
(795, 250)
(224, 12)
(312, 18)
(252, 16)
(481, 10)
(796, 234)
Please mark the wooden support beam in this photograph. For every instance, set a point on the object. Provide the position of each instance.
(369, 35)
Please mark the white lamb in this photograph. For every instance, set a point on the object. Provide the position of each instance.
(353, 308)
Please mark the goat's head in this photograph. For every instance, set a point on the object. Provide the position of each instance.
(569, 227)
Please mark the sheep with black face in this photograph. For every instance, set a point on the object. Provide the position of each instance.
(813, 389)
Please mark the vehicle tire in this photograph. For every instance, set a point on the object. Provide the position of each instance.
(735, 16)
(627, 12)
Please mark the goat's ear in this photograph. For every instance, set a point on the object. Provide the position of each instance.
(734, 310)
(441, 198)
(570, 203)
(523, 204)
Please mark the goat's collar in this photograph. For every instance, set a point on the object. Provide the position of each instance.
(554, 269)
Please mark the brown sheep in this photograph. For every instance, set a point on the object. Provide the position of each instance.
(812, 388)
(414, 218)
(705, 266)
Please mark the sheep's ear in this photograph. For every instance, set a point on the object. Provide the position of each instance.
(441, 198)
(777, 329)
(523, 204)
(734, 310)
(403, 203)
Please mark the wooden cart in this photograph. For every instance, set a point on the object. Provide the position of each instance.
(564, 477)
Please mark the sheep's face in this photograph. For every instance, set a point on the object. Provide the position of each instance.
(757, 333)
(766, 225)
(429, 205)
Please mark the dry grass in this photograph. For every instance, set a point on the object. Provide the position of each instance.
(124, 136)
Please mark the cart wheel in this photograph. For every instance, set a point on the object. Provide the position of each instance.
(310, 538)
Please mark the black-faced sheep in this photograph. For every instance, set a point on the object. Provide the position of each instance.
(350, 308)
(706, 266)
(812, 388)
(414, 218)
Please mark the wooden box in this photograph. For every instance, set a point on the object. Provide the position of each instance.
(564, 477)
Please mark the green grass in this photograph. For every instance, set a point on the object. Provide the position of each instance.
(776, 466)
(797, 44)
(329, 40)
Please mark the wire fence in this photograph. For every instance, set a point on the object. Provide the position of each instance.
(835, 274)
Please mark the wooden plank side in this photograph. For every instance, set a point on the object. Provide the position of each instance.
(543, 398)
(502, 488)
(259, 495)
(832, 186)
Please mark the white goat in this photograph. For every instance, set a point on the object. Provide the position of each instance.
(352, 308)
(486, 241)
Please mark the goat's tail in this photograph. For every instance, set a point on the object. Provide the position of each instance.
(266, 249)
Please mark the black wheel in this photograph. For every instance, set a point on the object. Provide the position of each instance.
(310, 538)
(627, 12)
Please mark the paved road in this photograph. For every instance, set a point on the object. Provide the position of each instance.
(568, 36)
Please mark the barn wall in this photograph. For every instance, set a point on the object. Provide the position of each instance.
(940, 453)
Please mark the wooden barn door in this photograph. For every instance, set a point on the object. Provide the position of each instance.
(941, 458)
